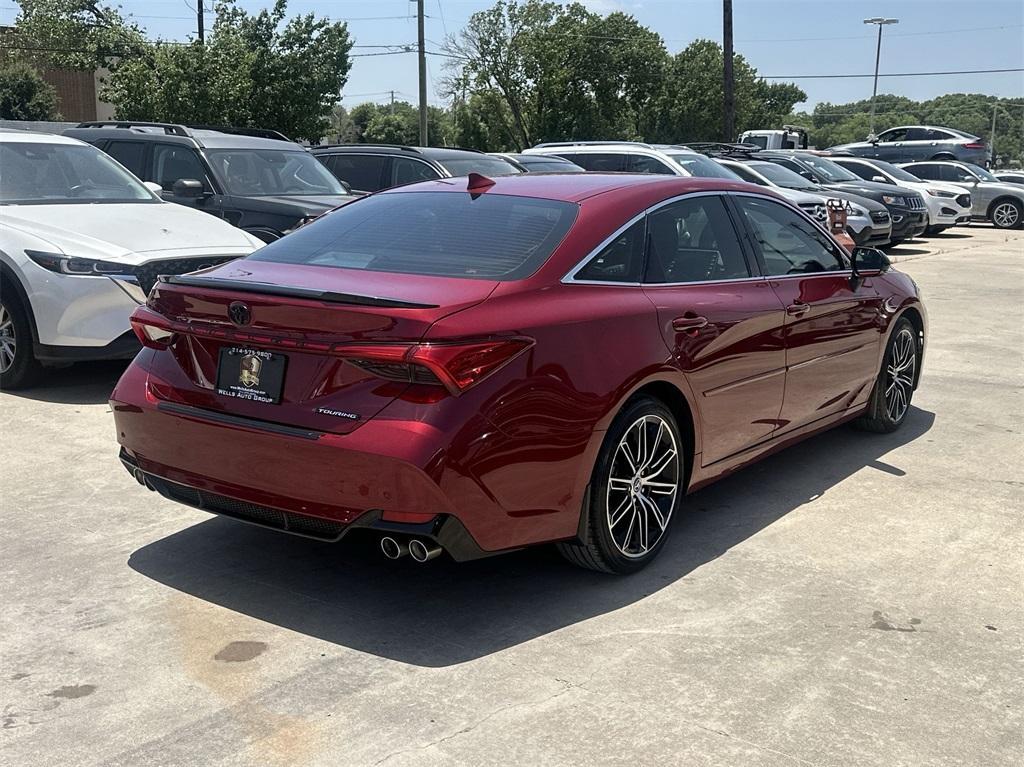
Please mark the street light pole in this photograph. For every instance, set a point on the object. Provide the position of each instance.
(423, 72)
(880, 22)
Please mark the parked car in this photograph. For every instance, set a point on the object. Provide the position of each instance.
(906, 207)
(1009, 176)
(908, 143)
(992, 200)
(420, 364)
(81, 243)
(867, 222)
(790, 137)
(372, 167)
(541, 163)
(265, 186)
(948, 204)
(633, 157)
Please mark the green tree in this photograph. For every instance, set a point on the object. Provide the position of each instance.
(75, 34)
(24, 95)
(255, 70)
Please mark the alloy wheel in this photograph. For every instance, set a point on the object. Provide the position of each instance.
(8, 341)
(1006, 215)
(899, 375)
(642, 485)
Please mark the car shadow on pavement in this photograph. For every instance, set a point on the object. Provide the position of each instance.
(442, 613)
(85, 383)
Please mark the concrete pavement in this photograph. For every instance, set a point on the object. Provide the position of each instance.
(854, 600)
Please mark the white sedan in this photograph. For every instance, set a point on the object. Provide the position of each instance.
(81, 243)
(948, 204)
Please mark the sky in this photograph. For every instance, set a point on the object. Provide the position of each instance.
(790, 38)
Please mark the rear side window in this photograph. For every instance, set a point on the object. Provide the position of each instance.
(362, 172)
(130, 154)
(619, 261)
(928, 172)
(446, 234)
(693, 241)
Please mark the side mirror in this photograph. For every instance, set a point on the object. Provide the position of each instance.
(187, 188)
(881, 179)
(866, 262)
(872, 138)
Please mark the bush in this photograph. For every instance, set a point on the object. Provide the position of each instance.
(24, 95)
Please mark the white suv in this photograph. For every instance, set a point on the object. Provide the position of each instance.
(81, 243)
(634, 157)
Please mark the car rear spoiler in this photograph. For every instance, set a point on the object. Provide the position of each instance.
(269, 289)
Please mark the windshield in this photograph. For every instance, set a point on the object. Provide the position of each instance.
(701, 166)
(828, 169)
(980, 172)
(897, 173)
(272, 172)
(446, 234)
(42, 174)
(484, 165)
(780, 176)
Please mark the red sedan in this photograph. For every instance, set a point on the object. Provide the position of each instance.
(474, 366)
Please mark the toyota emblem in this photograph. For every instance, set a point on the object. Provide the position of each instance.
(239, 313)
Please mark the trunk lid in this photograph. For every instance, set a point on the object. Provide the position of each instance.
(296, 313)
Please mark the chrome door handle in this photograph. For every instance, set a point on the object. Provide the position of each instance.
(797, 308)
(689, 323)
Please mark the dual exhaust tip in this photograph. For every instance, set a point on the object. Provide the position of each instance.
(421, 551)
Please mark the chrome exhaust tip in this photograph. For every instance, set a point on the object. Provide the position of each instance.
(393, 549)
(140, 476)
(423, 551)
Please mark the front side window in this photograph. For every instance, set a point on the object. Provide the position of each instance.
(639, 163)
(860, 169)
(926, 172)
(173, 162)
(789, 244)
(828, 170)
(406, 171)
(782, 175)
(362, 172)
(445, 234)
(272, 172)
(34, 174)
(700, 166)
(747, 175)
(980, 172)
(598, 161)
(693, 240)
(898, 134)
(619, 261)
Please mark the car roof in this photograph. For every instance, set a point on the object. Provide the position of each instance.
(576, 187)
(14, 135)
(430, 152)
(206, 138)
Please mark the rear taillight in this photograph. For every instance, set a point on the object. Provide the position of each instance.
(975, 145)
(456, 366)
(152, 330)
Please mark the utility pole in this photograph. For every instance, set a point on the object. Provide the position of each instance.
(423, 73)
(881, 22)
(729, 119)
(199, 20)
(392, 102)
(992, 137)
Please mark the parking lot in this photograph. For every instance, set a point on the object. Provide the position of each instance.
(853, 600)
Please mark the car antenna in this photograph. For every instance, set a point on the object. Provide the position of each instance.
(478, 184)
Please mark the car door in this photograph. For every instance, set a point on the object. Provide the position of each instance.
(917, 146)
(832, 328)
(890, 145)
(722, 323)
(176, 162)
(981, 193)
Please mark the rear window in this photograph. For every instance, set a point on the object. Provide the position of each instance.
(446, 234)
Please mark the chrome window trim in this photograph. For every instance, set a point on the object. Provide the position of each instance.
(570, 276)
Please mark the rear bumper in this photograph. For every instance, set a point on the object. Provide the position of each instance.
(403, 476)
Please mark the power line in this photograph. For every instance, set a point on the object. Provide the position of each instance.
(892, 74)
(871, 37)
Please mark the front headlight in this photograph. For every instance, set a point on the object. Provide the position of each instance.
(855, 210)
(889, 199)
(940, 193)
(83, 267)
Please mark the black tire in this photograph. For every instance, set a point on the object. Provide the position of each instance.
(885, 414)
(1006, 213)
(23, 370)
(602, 548)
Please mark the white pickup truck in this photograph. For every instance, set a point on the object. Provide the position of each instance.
(790, 137)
